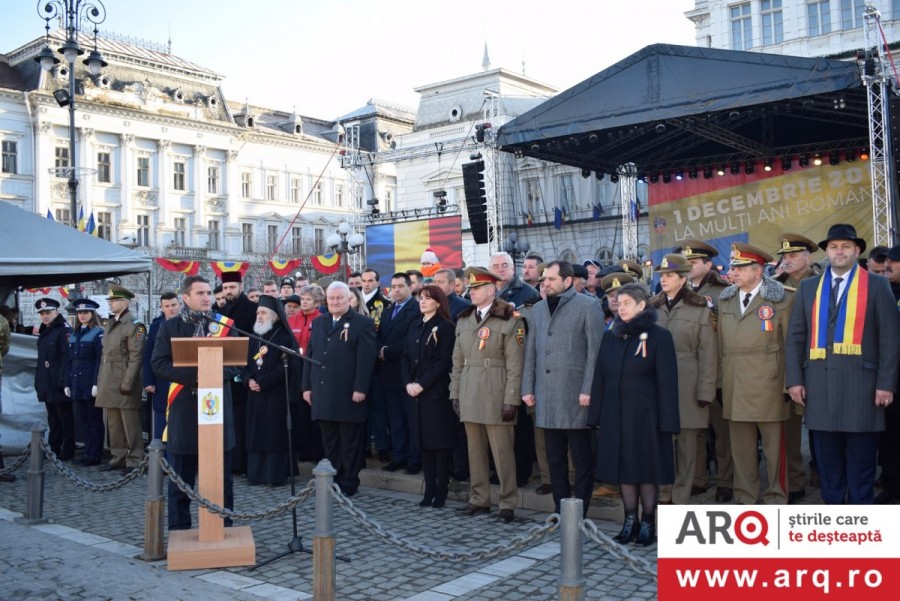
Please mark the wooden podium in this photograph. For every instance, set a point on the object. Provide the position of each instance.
(212, 545)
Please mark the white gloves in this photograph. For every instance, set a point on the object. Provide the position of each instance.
(68, 391)
(94, 390)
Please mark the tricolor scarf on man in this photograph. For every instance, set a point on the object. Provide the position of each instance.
(851, 317)
(219, 326)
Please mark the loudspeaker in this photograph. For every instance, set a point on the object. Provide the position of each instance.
(476, 202)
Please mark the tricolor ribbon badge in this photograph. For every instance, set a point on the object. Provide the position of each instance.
(766, 313)
(346, 333)
(483, 335)
(642, 346)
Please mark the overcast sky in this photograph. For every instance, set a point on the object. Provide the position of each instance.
(329, 57)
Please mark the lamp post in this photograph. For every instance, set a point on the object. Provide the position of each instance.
(72, 13)
(516, 248)
(344, 242)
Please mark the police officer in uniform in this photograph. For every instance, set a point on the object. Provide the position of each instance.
(705, 280)
(49, 377)
(119, 383)
(796, 252)
(486, 382)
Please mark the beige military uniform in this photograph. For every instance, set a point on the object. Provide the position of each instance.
(488, 358)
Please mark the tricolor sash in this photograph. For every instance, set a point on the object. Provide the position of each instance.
(851, 317)
(174, 389)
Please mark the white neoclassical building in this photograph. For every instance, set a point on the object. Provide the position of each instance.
(831, 28)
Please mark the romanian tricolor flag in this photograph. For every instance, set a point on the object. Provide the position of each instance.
(219, 325)
(81, 223)
(221, 267)
(283, 268)
(399, 246)
(326, 264)
(63, 291)
(185, 267)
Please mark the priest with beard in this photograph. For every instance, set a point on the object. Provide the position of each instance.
(268, 457)
(242, 310)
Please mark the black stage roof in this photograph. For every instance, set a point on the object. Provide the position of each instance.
(675, 107)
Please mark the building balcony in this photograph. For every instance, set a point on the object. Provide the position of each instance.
(188, 253)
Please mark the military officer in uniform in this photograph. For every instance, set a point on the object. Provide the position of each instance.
(797, 265)
(705, 280)
(485, 385)
(119, 383)
(753, 319)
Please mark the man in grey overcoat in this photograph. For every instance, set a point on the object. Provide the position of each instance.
(560, 354)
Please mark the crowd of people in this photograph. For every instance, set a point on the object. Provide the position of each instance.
(478, 374)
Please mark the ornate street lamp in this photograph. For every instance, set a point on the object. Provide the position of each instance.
(72, 14)
(345, 242)
(516, 248)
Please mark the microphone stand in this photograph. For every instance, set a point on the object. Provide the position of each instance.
(296, 543)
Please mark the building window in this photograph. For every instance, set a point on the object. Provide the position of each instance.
(339, 196)
(143, 230)
(533, 197)
(9, 157)
(246, 184)
(180, 231)
(178, 175)
(143, 172)
(296, 239)
(741, 27)
(104, 225)
(317, 194)
(104, 167)
(566, 193)
(358, 200)
(247, 237)
(319, 240)
(605, 256)
(272, 237)
(772, 22)
(63, 216)
(271, 187)
(818, 15)
(212, 180)
(852, 13)
(62, 159)
(895, 9)
(295, 189)
(214, 235)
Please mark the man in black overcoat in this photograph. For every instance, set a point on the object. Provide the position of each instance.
(181, 429)
(336, 386)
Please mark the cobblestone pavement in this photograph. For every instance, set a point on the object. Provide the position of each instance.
(87, 551)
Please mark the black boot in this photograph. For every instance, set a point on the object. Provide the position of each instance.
(647, 534)
(629, 529)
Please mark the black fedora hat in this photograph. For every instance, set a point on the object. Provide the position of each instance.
(843, 231)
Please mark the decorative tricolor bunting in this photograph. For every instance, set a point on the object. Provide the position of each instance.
(63, 291)
(221, 267)
(326, 264)
(283, 268)
(44, 291)
(185, 267)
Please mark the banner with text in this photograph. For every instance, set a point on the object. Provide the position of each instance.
(758, 207)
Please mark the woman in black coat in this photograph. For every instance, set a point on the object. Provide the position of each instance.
(49, 378)
(634, 403)
(425, 367)
(82, 368)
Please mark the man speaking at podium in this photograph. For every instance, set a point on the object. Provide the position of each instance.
(181, 430)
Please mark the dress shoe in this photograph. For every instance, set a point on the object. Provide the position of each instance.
(438, 502)
(474, 509)
(108, 467)
(506, 515)
(384, 457)
(698, 490)
(605, 490)
(460, 476)
(89, 461)
(647, 534)
(426, 501)
(543, 489)
(393, 466)
(629, 529)
(724, 494)
(413, 469)
(796, 496)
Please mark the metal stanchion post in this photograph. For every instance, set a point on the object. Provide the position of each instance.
(571, 568)
(154, 505)
(34, 495)
(323, 536)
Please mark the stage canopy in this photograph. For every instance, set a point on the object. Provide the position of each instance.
(37, 252)
(671, 107)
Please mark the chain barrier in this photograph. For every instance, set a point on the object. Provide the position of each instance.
(535, 533)
(17, 463)
(638, 564)
(291, 502)
(86, 484)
